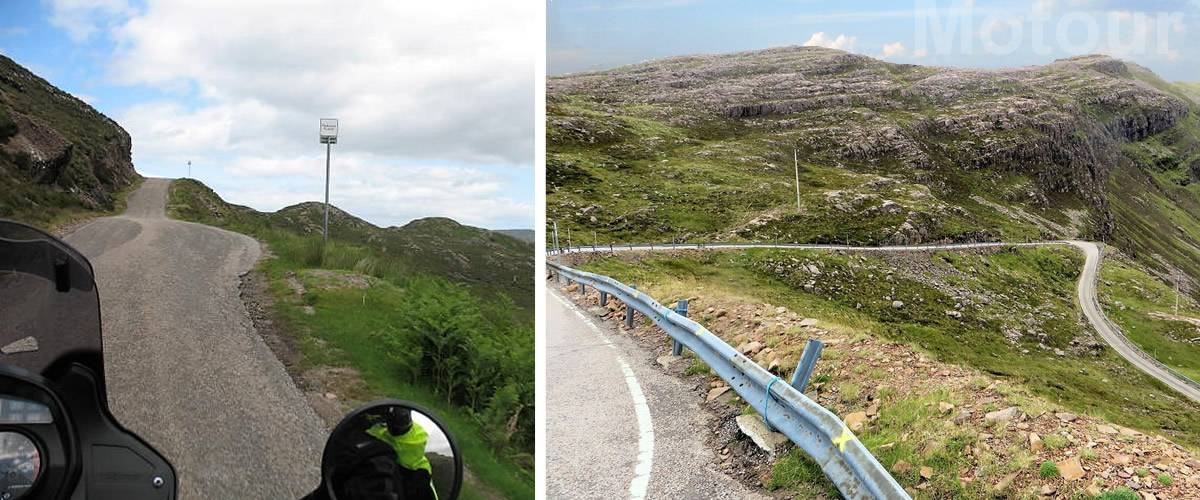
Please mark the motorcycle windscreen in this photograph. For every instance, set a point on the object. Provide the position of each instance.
(49, 306)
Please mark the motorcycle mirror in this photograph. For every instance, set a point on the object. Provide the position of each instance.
(391, 449)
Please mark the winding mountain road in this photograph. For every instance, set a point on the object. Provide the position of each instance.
(1086, 293)
(186, 369)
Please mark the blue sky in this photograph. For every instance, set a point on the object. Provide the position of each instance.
(1163, 35)
(435, 102)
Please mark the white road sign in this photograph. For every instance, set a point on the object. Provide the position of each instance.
(329, 130)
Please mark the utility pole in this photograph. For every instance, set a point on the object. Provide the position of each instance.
(329, 133)
(1177, 295)
(557, 249)
(796, 159)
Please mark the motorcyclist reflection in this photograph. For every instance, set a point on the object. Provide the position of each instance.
(391, 451)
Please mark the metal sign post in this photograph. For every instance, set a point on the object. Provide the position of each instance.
(329, 133)
(557, 249)
(796, 160)
(189, 169)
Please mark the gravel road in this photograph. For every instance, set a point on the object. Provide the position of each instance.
(616, 426)
(185, 368)
(1086, 291)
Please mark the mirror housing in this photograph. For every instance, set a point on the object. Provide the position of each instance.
(390, 449)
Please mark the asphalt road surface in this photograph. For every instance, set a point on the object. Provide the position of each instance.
(618, 427)
(1112, 335)
(185, 368)
(1086, 290)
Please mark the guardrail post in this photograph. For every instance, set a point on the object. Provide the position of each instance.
(808, 361)
(629, 312)
(582, 289)
(681, 308)
(603, 298)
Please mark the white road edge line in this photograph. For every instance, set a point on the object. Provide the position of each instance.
(645, 462)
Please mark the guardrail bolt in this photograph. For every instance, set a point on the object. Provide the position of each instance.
(681, 308)
(808, 362)
(629, 312)
(603, 298)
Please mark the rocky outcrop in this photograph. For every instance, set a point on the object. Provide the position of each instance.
(50, 140)
(1062, 125)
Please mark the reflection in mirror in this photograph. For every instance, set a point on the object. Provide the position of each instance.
(22, 411)
(20, 464)
(392, 447)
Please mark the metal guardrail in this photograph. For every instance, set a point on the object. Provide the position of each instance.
(816, 430)
(916, 248)
(1124, 340)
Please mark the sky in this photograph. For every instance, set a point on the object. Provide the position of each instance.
(434, 101)
(1163, 35)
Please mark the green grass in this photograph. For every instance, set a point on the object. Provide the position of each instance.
(357, 327)
(345, 319)
(797, 473)
(1130, 296)
(51, 209)
(1055, 441)
(697, 367)
(1097, 383)
(1048, 470)
(1164, 479)
(1121, 493)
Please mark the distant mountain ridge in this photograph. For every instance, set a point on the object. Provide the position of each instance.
(57, 153)
(701, 148)
(435, 245)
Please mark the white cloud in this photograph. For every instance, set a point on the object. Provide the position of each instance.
(841, 42)
(920, 53)
(419, 80)
(422, 90)
(894, 49)
(83, 18)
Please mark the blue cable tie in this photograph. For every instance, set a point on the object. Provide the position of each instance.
(767, 409)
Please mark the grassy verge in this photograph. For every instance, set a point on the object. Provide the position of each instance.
(1022, 325)
(368, 329)
(1144, 307)
(340, 333)
(54, 211)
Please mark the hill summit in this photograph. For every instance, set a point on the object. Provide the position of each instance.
(57, 153)
(702, 148)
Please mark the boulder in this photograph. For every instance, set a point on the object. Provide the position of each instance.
(1004, 415)
(856, 420)
(716, 393)
(1070, 469)
(753, 427)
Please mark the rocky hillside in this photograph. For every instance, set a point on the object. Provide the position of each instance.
(438, 246)
(701, 148)
(58, 155)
